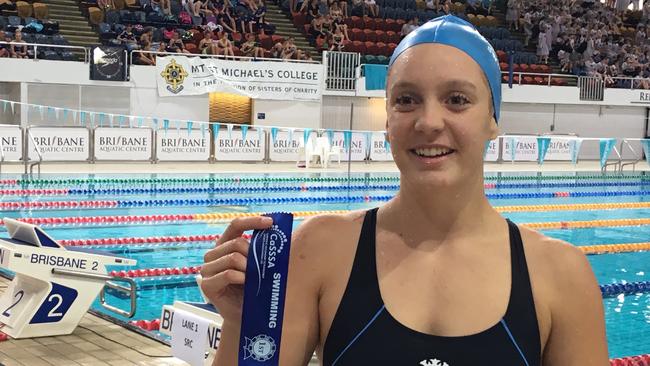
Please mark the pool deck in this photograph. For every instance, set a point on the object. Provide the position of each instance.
(110, 345)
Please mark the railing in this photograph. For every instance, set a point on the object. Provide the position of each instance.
(546, 76)
(341, 70)
(26, 156)
(35, 46)
(238, 58)
(635, 83)
(592, 88)
(2, 153)
(638, 157)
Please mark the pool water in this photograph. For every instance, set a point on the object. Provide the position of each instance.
(627, 316)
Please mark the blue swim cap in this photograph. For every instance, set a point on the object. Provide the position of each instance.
(455, 32)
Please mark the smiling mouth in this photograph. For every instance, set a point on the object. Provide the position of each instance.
(432, 152)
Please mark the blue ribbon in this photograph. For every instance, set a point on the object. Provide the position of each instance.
(203, 130)
(260, 133)
(606, 146)
(165, 125)
(130, 121)
(513, 148)
(368, 141)
(264, 293)
(155, 123)
(543, 144)
(65, 114)
(330, 136)
(244, 132)
(347, 138)
(101, 119)
(274, 134)
(189, 127)
(82, 118)
(646, 149)
(291, 134)
(120, 120)
(575, 149)
(140, 121)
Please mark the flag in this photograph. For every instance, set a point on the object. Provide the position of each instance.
(543, 144)
(244, 132)
(274, 134)
(606, 146)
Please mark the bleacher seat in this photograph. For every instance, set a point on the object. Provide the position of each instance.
(41, 11)
(369, 35)
(67, 56)
(95, 15)
(24, 9)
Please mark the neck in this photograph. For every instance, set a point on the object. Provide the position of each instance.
(440, 214)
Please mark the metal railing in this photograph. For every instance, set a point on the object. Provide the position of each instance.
(634, 83)
(341, 70)
(26, 156)
(35, 47)
(548, 77)
(236, 58)
(637, 157)
(592, 88)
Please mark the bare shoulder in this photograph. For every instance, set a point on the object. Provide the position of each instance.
(553, 258)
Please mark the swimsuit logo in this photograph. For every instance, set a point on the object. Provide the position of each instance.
(433, 362)
(261, 348)
(174, 75)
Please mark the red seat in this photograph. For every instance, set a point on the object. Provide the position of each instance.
(237, 51)
(368, 23)
(371, 48)
(360, 47)
(393, 37)
(390, 25)
(391, 48)
(276, 39)
(357, 35)
(503, 57)
(399, 23)
(236, 36)
(348, 22)
(544, 69)
(527, 80)
(516, 68)
(534, 68)
(380, 24)
(503, 66)
(196, 35)
(370, 35)
(299, 19)
(540, 80)
(319, 43)
(357, 22)
(381, 36)
(382, 49)
(525, 68)
(191, 47)
(306, 28)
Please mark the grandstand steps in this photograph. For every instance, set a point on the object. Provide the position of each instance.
(284, 27)
(73, 25)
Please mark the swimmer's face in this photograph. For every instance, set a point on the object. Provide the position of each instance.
(439, 110)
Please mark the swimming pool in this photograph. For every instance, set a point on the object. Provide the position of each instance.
(167, 222)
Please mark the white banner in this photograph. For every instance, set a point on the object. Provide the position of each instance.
(378, 151)
(357, 145)
(492, 153)
(181, 75)
(12, 143)
(178, 145)
(231, 147)
(525, 148)
(123, 143)
(59, 144)
(559, 149)
(284, 150)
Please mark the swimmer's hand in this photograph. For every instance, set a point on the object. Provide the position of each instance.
(224, 268)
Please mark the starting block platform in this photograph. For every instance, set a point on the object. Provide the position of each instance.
(53, 287)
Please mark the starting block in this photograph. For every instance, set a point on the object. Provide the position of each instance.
(53, 287)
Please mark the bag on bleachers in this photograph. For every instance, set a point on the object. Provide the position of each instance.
(33, 26)
(50, 27)
(112, 17)
(127, 16)
(171, 19)
(155, 18)
(185, 18)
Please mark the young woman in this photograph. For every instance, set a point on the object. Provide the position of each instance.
(18, 46)
(436, 275)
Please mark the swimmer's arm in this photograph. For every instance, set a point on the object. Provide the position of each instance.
(301, 321)
(577, 335)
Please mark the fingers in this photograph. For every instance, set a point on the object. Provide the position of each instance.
(217, 283)
(239, 245)
(241, 224)
(231, 262)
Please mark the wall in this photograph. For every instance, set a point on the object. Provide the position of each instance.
(10, 91)
(369, 113)
(287, 113)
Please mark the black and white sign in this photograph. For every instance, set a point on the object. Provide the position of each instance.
(231, 146)
(492, 153)
(378, 150)
(179, 145)
(525, 148)
(559, 150)
(282, 149)
(123, 143)
(357, 145)
(59, 144)
(11, 142)
(180, 75)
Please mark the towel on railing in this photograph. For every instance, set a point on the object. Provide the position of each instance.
(375, 76)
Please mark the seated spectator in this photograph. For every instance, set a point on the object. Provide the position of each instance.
(317, 30)
(224, 46)
(342, 5)
(311, 10)
(161, 6)
(251, 47)
(323, 8)
(339, 23)
(646, 11)
(289, 49)
(145, 58)
(176, 45)
(5, 49)
(432, 5)
(371, 8)
(7, 5)
(106, 5)
(306, 56)
(226, 20)
(202, 7)
(127, 38)
(446, 7)
(336, 41)
(358, 8)
(18, 46)
(276, 50)
(408, 27)
(207, 46)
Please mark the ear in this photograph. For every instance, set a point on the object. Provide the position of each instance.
(494, 129)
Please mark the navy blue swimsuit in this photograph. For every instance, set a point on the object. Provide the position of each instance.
(363, 332)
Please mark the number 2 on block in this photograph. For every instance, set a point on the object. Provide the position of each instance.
(19, 296)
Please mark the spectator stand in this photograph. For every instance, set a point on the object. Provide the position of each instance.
(48, 51)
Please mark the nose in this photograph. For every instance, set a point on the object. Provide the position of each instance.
(431, 120)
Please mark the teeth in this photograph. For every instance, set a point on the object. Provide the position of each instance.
(432, 152)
